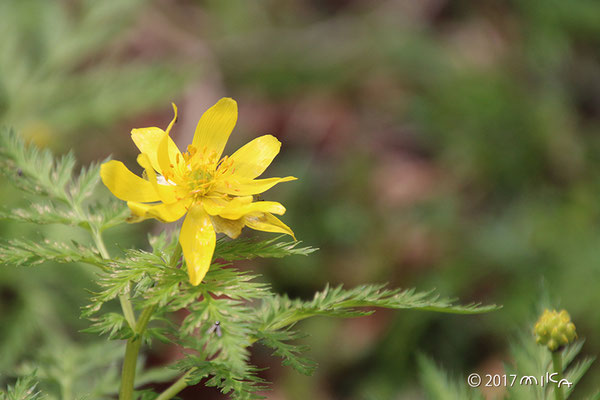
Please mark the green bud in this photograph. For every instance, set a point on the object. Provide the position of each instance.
(554, 329)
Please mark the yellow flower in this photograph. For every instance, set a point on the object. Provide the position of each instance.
(216, 193)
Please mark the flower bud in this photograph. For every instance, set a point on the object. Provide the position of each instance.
(554, 329)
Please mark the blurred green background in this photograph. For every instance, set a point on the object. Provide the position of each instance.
(438, 143)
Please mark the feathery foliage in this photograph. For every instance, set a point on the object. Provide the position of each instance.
(23, 252)
(66, 370)
(279, 341)
(246, 249)
(24, 389)
(225, 316)
(66, 196)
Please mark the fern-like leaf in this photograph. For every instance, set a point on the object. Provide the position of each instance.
(24, 389)
(24, 252)
(247, 249)
(65, 193)
(279, 341)
(279, 311)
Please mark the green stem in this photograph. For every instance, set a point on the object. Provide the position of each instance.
(131, 355)
(132, 348)
(180, 384)
(100, 244)
(65, 388)
(175, 388)
(129, 366)
(557, 366)
(133, 344)
(127, 311)
(125, 303)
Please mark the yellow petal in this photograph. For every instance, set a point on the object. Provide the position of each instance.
(198, 241)
(215, 205)
(174, 120)
(252, 159)
(166, 193)
(162, 212)
(247, 187)
(238, 211)
(125, 185)
(168, 155)
(214, 129)
(165, 162)
(230, 227)
(268, 223)
(148, 140)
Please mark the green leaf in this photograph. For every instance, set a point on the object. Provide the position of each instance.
(289, 352)
(247, 249)
(576, 372)
(43, 213)
(83, 187)
(230, 343)
(35, 171)
(279, 311)
(24, 252)
(89, 370)
(24, 389)
(111, 324)
(240, 387)
(108, 213)
(65, 194)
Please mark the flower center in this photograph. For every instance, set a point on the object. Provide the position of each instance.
(198, 170)
(199, 182)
